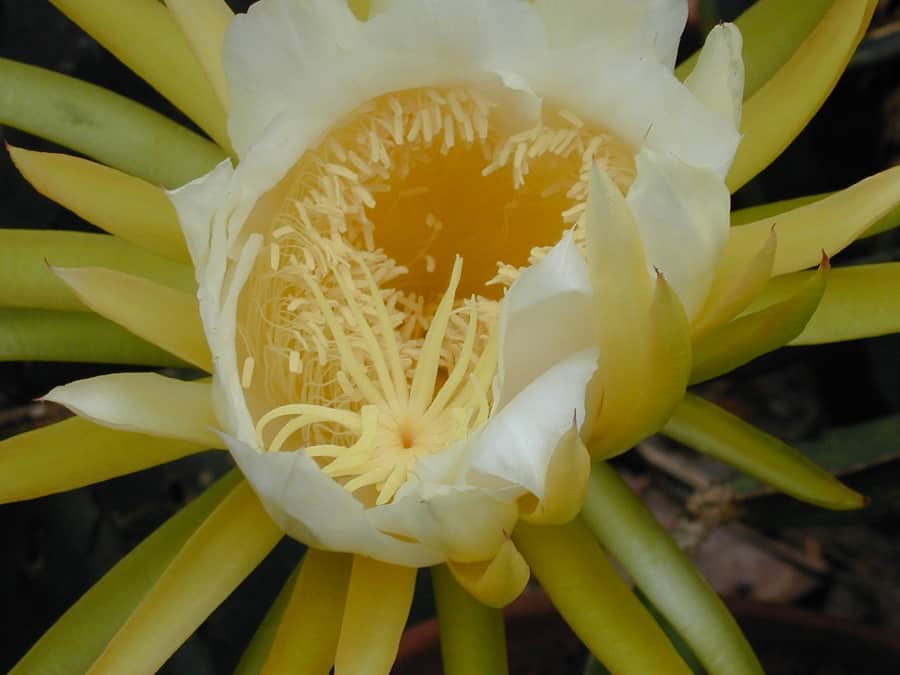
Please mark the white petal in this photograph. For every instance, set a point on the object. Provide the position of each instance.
(664, 23)
(467, 523)
(196, 204)
(516, 445)
(623, 25)
(545, 317)
(212, 211)
(312, 508)
(718, 77)
(683, 215)
(143, 402)
(316, 59)
(633, 95)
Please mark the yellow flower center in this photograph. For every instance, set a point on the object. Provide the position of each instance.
(360, 338)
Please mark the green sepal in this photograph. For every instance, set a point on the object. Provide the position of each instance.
(765, 211)
(257, 651)
(753, 335)
(627, 529)
(707, 428)
(473, 638)
(860, 301)
(79, 636)
(774, 115)
(26, 256)
(79, 337)
(589, 593)
(102, 125)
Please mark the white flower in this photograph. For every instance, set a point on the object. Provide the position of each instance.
(422, 286)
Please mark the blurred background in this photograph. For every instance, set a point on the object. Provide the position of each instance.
(840, 403)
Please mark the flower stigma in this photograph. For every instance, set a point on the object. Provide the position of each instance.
(360, 338)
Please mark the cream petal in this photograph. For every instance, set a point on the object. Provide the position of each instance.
(312, 508)
(284, 54)
(633, 95)
(143, 402)
(718, 77)
(545, 317)
(683, 216)
(517, 443)
(465, 523)
(196, 204)
(664, 22)
(636, 23)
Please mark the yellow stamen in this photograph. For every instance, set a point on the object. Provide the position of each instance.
(373, 349)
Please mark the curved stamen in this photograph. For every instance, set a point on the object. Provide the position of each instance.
(459, 369)
(429, 360)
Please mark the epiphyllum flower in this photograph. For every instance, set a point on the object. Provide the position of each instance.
(423, 285)
(465, 246)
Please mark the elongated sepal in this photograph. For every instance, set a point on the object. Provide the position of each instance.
(103, 125)
(731, 296)
(76, 452)
(81, 337)
(80, 635)
(128, 207)
(888, 221)
(627, 529)
(307, 636)
(26, 257)
(229, 544)
(860, 301)
(641, 327)
(590, 595)
(567, 476)
(203, 23)
(257, 650)
(828, 225)
(707, 428)
(145, 37)
(379, 596)
(625, 417)
(497, 582)
(165, 317)
(472, 635)
(758, 333)
(781, 108)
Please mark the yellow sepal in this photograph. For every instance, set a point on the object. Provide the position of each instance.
(564, 486)
(755, 334)
(144, 36)
(782, 107)
(379, 596)
(591, 596)
(220, 554)
(307, 637)
(203, 23)
(123, 205)
(497, 582)
(642, 329)
(827, 225)
(168, 318)
(731, 296)
(76, 452)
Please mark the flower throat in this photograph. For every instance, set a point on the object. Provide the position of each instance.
(361, 337)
